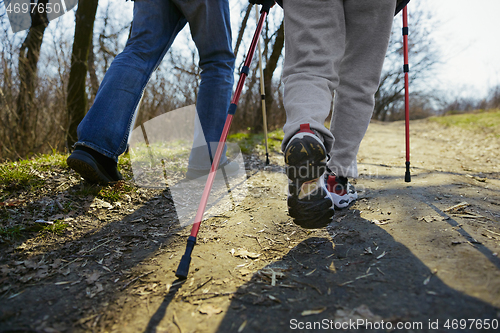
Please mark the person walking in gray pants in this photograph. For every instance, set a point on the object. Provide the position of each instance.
(330, 46)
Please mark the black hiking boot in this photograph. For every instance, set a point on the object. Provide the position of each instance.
(309, 202)
(94, 167)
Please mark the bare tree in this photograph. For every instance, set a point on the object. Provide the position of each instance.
(109, 32)
(77, 96)
(94, 81)
(173, 85)
(36, 94)
(494, 98)
(47, 116)
(242, 29)
(8, 91)
(424, 58)
(461, 104)
(250, 114)
(28, 62)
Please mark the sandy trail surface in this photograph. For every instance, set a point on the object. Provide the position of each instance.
(418, 256)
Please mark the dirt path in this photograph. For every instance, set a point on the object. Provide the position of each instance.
(398, 256)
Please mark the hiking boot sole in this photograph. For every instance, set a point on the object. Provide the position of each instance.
(305, 157)
(313, 211)
(87, 167)
(309, 202)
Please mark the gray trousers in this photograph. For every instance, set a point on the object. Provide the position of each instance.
(334, 46)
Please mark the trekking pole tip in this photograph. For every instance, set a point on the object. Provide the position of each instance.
(183, 268)
(407, 173)
(267, 159)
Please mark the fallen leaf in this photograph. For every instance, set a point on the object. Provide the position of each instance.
(50, 330)
(30, 264)
(242, 253)
(312, 312)
(457, 207)
(93, 277)
(17, 294)
(479, 179)
(245, 271)
(91, 292)
(41, 274)
(269, 272)
(362, 312)
(11, 202)
(272, 298)
(209, 309)
(43, 221)
(427, 219)
(242, 326)
(23, 246)
(56, 263)
(60, 283)
(5, 270)
(101, 204)
(341, 218)
(26, 278)
(381, 222)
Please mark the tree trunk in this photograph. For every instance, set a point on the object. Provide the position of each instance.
(242, 30)
(94, 81)
(28, 62)
(77, 97)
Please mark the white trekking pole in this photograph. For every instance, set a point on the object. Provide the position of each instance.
(262, 92)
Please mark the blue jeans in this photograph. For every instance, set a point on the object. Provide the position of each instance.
(106, 126)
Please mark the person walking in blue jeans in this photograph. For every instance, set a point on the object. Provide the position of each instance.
(104, 132)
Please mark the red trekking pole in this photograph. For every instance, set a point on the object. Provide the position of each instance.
(183, 269)
(406, 69)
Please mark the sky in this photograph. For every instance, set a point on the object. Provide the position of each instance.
(469, 36)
